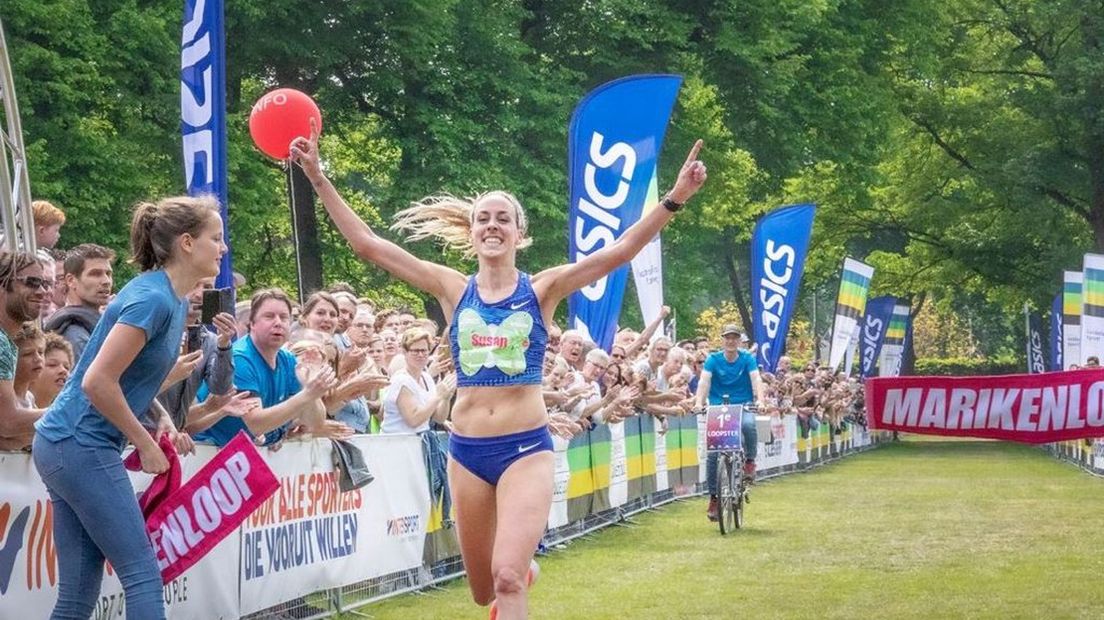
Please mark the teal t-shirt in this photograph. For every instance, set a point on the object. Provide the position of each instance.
(253, 374)
(732, 378)
(149, 303)
(8, 357)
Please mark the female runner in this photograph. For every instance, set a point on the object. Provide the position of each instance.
(501, 470)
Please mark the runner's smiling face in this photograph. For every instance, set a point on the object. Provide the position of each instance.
(494, 229)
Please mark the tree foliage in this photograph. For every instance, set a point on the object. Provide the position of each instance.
(956, 146)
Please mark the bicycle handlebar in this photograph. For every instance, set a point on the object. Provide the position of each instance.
(746, 407)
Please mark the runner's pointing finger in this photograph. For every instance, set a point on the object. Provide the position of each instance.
(694, 152)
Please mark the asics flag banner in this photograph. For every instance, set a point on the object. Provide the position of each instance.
(614, 140)
(778, 249)
(1036, 363)
(1056, 333)
(203, 111)
(1054, 406)
(875, 323)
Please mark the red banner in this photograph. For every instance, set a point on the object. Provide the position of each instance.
(191, 520)
(1038, 408)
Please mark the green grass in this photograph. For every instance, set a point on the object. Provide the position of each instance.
(916, 529)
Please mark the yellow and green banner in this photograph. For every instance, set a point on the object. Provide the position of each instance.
(850, 306)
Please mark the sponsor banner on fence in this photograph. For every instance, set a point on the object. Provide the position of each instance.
(614, 139)
(703, 426)
(619, 466)
(310, 536)
(1027, 408)
(778, 248)
(561, 474)
(660, 449)
(28, 560)
(781, 452)
(1092, 308)
(580, 483)
(850, 306)
(1098, 454)
(688, 458)
(1071, 317)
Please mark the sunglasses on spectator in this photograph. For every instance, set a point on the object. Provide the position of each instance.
(418, 351)
(34, 282)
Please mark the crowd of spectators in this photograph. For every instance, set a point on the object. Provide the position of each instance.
(336, 364)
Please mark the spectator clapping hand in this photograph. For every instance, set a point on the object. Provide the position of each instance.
(236, 404)
(316, 379)
(446, 386)
(351, 361)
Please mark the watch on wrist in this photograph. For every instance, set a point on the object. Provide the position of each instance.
(672, 206)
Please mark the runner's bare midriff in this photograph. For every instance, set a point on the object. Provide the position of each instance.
(494, 411)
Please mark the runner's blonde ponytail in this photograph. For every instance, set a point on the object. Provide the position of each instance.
(449, 219)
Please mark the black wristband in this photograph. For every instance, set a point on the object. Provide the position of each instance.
(671, 205)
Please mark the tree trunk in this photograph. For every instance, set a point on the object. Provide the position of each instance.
(732, 264)
(1093, 128)
(908, 364)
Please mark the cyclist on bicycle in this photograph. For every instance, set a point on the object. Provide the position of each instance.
(731, 372)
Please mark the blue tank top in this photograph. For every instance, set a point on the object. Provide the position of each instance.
(501, 343)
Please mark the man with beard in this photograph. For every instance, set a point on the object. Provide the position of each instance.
(88, 278)
(23, 291)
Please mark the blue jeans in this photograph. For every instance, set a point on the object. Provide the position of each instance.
(96, 515)
(751, 449)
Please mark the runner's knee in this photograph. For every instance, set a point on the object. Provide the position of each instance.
(508, 580)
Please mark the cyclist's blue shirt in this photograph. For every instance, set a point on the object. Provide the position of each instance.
(732, 378)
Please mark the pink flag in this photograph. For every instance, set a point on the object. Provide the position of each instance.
(190, 521)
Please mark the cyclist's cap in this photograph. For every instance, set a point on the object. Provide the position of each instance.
(732, 328)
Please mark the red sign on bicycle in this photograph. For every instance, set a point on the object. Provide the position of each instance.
(723, 429)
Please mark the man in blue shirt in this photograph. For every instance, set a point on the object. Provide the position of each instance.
(267, 371)
(731, 375)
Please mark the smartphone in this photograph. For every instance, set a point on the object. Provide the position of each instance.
(216, 300)
(195, 338)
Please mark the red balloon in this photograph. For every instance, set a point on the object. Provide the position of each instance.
(279, 117)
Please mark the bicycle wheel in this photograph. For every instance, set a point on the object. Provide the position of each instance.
(726, 494)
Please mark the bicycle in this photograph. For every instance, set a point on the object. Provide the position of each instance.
(724, 435)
